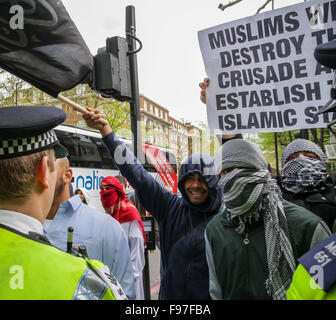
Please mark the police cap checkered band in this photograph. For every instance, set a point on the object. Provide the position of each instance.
(27, 130)
(11, 148)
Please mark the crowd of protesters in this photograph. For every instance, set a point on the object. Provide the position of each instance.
(234, 233)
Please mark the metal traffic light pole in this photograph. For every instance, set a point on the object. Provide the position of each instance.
(135, 117)
(133, 65)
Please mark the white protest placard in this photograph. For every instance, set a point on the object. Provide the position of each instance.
(262, 70)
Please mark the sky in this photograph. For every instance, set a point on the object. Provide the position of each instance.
(170, 65)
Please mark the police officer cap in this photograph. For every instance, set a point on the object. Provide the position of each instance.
(325, 54)
(28, 130)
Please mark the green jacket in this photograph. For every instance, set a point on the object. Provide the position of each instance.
(315, 277)
(237, 268)
(32, 269)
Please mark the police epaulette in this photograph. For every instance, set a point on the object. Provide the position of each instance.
(38, 237)
(320, 263)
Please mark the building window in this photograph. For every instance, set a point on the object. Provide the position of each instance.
(145, 105)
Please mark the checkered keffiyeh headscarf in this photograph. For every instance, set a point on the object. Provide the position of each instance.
(303, 174)
(248, 192)
(300, 145)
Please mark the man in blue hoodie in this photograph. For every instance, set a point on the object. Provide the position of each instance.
(182, 220)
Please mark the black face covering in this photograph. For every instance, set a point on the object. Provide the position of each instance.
(303, 175)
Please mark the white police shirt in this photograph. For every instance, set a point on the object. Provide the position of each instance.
(20, 222)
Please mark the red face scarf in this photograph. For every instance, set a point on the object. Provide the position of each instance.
(119, 206)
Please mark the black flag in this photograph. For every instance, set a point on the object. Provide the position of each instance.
(40, 44)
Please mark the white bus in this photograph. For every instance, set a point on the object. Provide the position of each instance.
(90, 161)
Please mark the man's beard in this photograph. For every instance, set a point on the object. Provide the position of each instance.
(60, 186)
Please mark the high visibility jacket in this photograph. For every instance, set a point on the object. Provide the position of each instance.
(315, 277)
(32, 269)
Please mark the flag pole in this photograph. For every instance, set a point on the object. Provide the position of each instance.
(73, 104)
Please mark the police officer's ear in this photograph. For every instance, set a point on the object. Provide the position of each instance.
(68, 175)
(42, 172)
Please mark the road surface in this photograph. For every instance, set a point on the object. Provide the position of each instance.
(154, 273)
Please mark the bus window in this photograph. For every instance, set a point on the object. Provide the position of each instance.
(106, 160)
(171, 159)
(70, 141)
(88, 151)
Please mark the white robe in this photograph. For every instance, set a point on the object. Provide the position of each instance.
(137, 251)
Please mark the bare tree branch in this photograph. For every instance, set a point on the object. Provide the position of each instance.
(264, 5)
(231, 3)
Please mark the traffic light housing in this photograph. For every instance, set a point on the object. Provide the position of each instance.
(111, 73)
